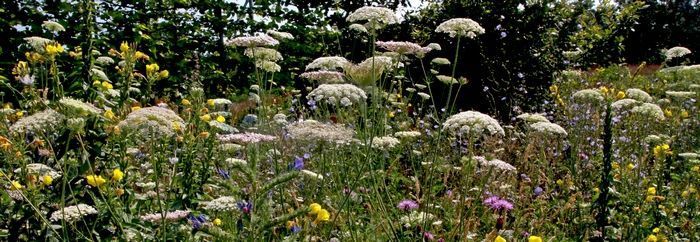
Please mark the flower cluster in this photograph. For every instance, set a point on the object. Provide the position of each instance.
(78, 107)
(73, 213)
(152, 122)
(548, 129)
(40, 122)
(369, 71)
(328, 63)
(532, 117)
(246, 138)
(280, 35)
(254, 41)
(473, 123)
(494, 163)
(403, 47)
(639, 95)
(334, 94)
(385, 142)
(324, 76)
(592, 96)
(263, 54)
(221, 204)
(649, 110)
(312, 130)
(675, 52)
(169, 216)
(460, 27)
(376, 17)
(498, 204)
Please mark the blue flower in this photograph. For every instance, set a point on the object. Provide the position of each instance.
(298, 163)
(223, 173)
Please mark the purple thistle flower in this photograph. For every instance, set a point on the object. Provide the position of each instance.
(498, 204)
(407, 205)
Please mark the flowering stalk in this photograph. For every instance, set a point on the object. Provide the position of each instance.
(602, 217)
(448, 108)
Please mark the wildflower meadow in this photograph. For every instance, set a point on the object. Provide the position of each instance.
(364, 123)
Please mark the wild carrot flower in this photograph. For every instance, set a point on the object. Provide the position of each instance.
(73, 213)
(375, 17)
(678, 51)
(460, 27)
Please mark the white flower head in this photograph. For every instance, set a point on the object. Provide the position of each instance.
(254, 41)
(548, 129)
(328, 63)
(678, 51)
(53, 26)
(460, 27)
(375, 18)
(473, 123)
(280, 35)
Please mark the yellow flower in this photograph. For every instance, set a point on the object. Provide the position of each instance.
(651, 191)
(217, 222)
(560, 182)
(553, 88)
(499, 239)
(685, 194)
(205, 118)
(151, 69)
(220, 119)
(53, 49)
(210, 102)
(652, 238)
(106, 85)
(124, 47)
(630, 166)
(684, 114)
(163, 74)
(186, 102)
(615, 165)
(290, 224)
(176, 127)
(661, 149)
(323, 215)
(695, 168)
(109, 114)
(135, 108)
(534, 239)
(656, 230)
(117, 174)
(315, 208)
(119, 192)
(604, 90)
(620, 95)
(392, 114)
(140, 56)
(596, 190)
(668, 113)
(95, 180)
(47, 180)
(16, 186)
(19, 114)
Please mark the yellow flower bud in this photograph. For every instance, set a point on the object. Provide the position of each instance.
(109, 114)
(553, 88)
(135, 108)
(684, 114)
(210, 102)
(220, 119)
(205, 118)
(668, 113)
(106, 85)
(217, 222)
(604, 90)
(651, 191)
(315, 208)
(186, 102)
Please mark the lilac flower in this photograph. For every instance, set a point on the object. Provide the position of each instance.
(407, 205)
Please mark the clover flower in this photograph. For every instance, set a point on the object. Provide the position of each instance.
(460, 27)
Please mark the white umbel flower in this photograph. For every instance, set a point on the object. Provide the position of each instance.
(358, 27)
(53, 26)
(385, 142)
(73, 213)
(532, 117)
(324, 76)
(649, 110)
(639, 95)
(254, 41)
(401, 47)
(460, 27)
(280, 35)
(263, 54)
(312, 130)
(44, 121)
(494, 163)
(548, 129)
(152, 122)
(588, 96)
(473, 123)
(333, 93)
(375, 18)
(79, 107)
(221, 204)
(328, 63)
(678, 51)
(407, 134)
